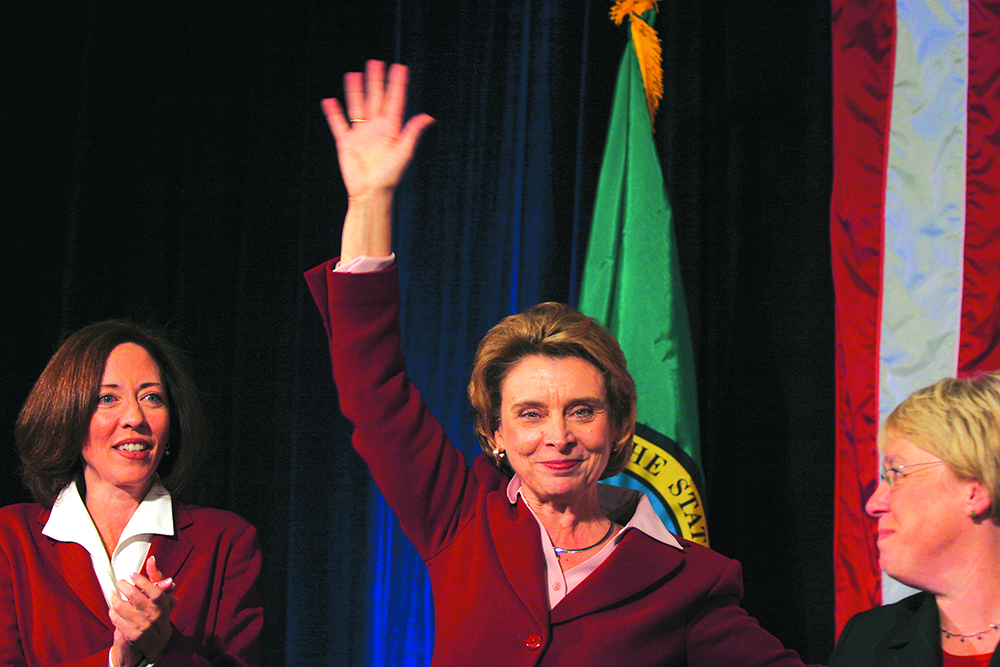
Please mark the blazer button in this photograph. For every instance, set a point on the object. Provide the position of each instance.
(534, 642)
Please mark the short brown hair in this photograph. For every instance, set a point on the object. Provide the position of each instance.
(553, 330)
(54, 422)
(958, 420)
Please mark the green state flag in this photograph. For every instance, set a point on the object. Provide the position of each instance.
(632, 285)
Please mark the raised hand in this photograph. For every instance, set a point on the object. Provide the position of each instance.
(374, 147)
(142, 619)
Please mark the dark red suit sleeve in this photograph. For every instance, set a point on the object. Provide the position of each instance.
(424, 478)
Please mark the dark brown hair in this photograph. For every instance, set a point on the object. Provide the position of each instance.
(54, 422)
(553, 330)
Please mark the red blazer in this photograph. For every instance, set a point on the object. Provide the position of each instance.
(52, 610)
(647, 604)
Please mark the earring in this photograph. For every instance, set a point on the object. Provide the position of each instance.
(499, 454)
(166, 452)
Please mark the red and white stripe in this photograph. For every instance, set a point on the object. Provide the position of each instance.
(915, 231)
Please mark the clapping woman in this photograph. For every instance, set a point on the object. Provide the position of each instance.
(108, 567)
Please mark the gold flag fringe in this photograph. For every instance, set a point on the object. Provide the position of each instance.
(647, 48)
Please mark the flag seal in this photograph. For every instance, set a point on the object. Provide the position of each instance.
(669, 477)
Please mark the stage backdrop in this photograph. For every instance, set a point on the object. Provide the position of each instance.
(169, 163)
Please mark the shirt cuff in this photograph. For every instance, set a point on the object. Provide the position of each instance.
(364, 264)
(142, 663)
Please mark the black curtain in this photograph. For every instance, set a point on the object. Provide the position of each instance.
(169, 163)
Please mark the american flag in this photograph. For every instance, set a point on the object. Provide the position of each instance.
(915, 231)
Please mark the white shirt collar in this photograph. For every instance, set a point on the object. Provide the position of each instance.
(70, 521)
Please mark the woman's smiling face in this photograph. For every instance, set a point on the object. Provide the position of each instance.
(555, 427)
(130, 425)
(922, 515)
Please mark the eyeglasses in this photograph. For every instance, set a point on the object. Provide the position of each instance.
(892, 475)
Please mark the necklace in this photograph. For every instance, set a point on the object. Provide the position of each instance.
(559, 550)
(978, 635)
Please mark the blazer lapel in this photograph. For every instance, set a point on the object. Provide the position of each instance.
(172, 550)
(602, 589)
(518, 548)
(74, 565)
(913, 640)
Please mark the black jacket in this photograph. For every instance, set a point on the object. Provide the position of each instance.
(904, 634)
